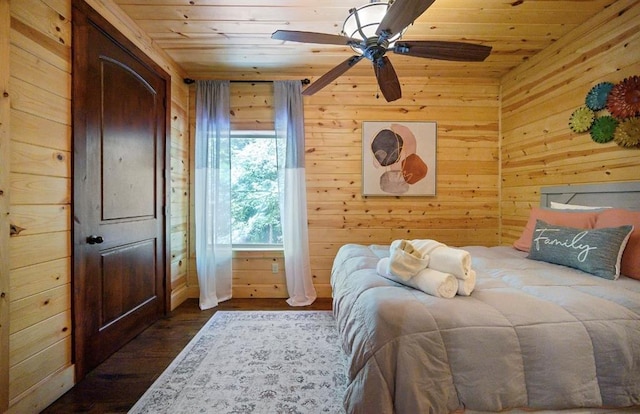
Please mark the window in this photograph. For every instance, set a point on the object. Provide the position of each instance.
(255, 211)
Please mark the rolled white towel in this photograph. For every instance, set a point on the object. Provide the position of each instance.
(426, 246)
(451, 260)
(433, 282)
(405, 260)
(465, 287)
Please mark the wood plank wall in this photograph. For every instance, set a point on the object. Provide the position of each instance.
(538, 148)
(464, 211)
(5, 140)
(39, 362)
(179, 190)
(40, 175)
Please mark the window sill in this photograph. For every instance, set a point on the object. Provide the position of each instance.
(258, 248)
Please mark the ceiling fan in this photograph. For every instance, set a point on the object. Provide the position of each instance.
(376, 28)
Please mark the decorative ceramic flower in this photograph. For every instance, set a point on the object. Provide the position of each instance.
(597, 97)
(603, 128)
(624, 98)
(581, 119)
(627, 133)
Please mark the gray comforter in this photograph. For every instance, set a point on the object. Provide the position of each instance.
(532, 334)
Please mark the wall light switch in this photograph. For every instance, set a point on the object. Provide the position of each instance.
(274, 267)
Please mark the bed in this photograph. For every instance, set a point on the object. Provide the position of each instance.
(532, 335)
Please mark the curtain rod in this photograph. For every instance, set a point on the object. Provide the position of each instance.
(304, 81)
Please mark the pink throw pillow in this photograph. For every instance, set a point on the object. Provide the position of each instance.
(630, 264)
(576, 218)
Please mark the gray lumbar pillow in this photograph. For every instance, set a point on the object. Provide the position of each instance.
(595, 251)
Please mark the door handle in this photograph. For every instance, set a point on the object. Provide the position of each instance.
(93, 239)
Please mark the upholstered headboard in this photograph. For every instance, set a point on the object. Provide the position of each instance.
(623, 195)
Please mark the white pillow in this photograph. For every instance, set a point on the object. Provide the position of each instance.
(562, 206)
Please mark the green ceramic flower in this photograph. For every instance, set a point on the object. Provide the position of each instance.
(603, 128)
(581, 119)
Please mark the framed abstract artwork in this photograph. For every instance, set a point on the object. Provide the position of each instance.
(398, 158)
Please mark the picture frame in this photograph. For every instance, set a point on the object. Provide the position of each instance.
(399, 158)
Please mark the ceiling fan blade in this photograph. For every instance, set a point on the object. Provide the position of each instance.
(330, 76)
(387, 79)
(401, 14)
(312, 37)
(465, 52)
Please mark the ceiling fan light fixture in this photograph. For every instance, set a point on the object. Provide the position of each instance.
(363, 22)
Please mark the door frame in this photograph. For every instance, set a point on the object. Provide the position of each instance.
(82, 15)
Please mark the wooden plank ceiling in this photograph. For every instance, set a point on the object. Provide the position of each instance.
(230, 39)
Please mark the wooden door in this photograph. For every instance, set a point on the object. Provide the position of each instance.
(120, 129)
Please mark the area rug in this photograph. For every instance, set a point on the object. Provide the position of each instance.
(254, 362)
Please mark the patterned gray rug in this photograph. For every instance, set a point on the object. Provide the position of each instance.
(254, 362)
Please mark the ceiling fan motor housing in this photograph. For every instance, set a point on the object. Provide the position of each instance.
(373, 49)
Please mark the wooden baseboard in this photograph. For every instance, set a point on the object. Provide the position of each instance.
(178, 296)
(275, 290)
(254, 291)
(324, 291)
(41, 395)
(193, 292)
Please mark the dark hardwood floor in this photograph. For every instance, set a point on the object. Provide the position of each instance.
(115, 385)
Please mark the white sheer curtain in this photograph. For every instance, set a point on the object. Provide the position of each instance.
(293, 197)
(213, 192)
